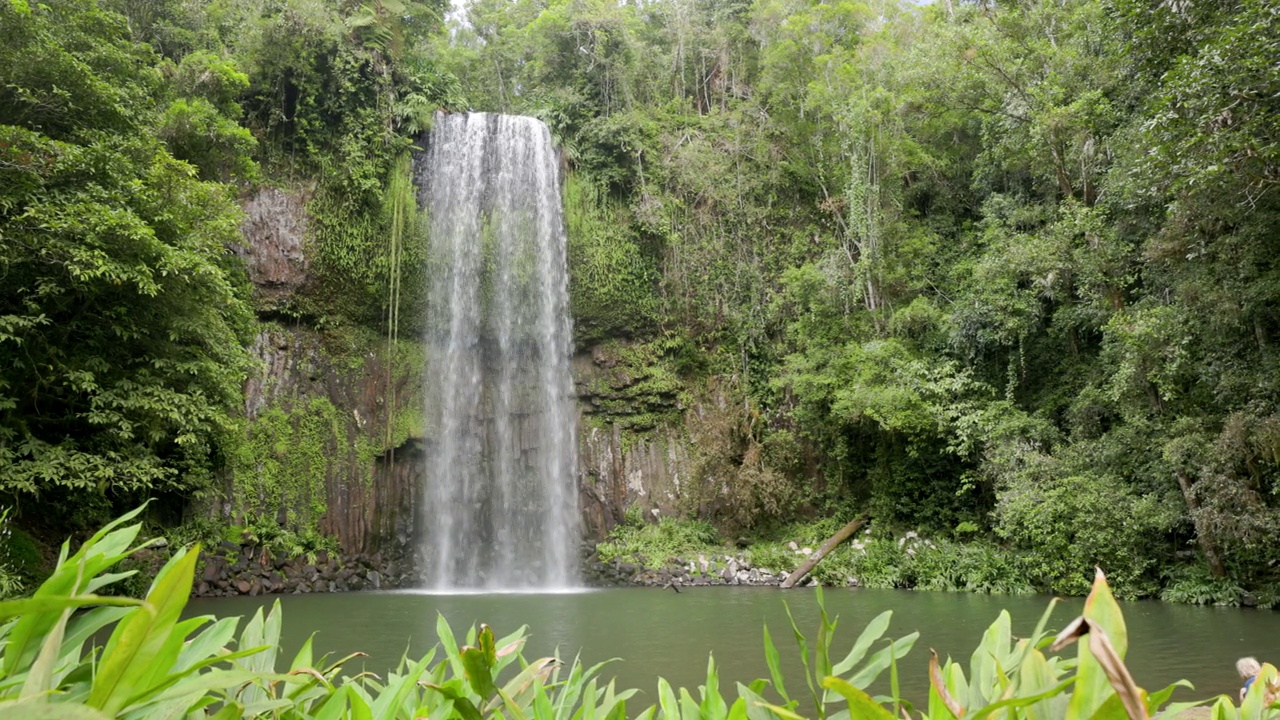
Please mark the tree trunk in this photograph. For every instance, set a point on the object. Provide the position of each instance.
(827, 547)
(1206, 545)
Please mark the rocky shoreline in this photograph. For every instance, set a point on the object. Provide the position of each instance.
(701, 571)
(231, 569)
(228, 570)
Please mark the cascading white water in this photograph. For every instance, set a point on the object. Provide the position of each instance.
(500, 503)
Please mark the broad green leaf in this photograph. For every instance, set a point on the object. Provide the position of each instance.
(509, 704)
(784, 713)
(160, 691)
(937, 707)
(880, 659)
(542, 707)
(618, 711)
(40, 676)
(775, 665)
(1092, 685)
(667, 701)
(49, 711)
(303, 658)
(141, 636)
(803, 645)
(1224, 709)
(860, 704)
(229, 711)
(941, 698)
(476, 663)
(360, 709)
(161, 663)
(1020, 702)
(871, 633)
(445, 633)
(335, 706)
(1132, 696)
(589, 696)
(755, 704)
(1156, 699)
(983, 684)
(486, 644)
(388, 702)
(1176, 710)
(262, 630)
(713, 706)
(212, 640)
(689, 709)
(54, 605)
(1112, 709)
(85, 625)
(1034, 677)
(822, 663)
(106, 579)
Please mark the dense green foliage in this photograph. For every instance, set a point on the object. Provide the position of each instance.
(127, 131)
(1007, 266)
(1004, 274)
(154, 664)
(122, 317)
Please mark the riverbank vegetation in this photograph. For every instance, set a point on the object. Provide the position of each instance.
(1003, 274)
(129, 132)
(55, 665)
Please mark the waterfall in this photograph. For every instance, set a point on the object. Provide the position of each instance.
(500, 504)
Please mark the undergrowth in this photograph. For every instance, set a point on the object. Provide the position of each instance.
(1197, 586)
(867, 560)
(874, 558)
(657, 543)
(10, 581)
(906, 562)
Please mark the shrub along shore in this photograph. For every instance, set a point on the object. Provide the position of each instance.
(685, 552)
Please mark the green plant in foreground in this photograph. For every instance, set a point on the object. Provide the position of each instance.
(156, 665)
(10, 581)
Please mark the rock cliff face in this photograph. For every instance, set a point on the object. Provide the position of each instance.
(369, 445)
(335, 418)
(617, 470)
(274, 230)
(334, 437)
(633, 448)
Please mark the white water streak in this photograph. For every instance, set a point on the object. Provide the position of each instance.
(500, 503)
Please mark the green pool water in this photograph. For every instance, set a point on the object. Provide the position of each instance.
(663, 633)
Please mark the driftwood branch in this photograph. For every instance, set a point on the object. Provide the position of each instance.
(807, 566)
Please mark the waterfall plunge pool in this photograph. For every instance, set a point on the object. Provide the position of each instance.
(663, 633)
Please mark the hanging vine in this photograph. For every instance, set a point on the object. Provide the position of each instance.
(402, 212)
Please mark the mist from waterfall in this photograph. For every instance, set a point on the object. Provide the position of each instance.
(499, 508)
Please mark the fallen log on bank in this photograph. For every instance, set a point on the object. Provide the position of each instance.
(834, 541)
